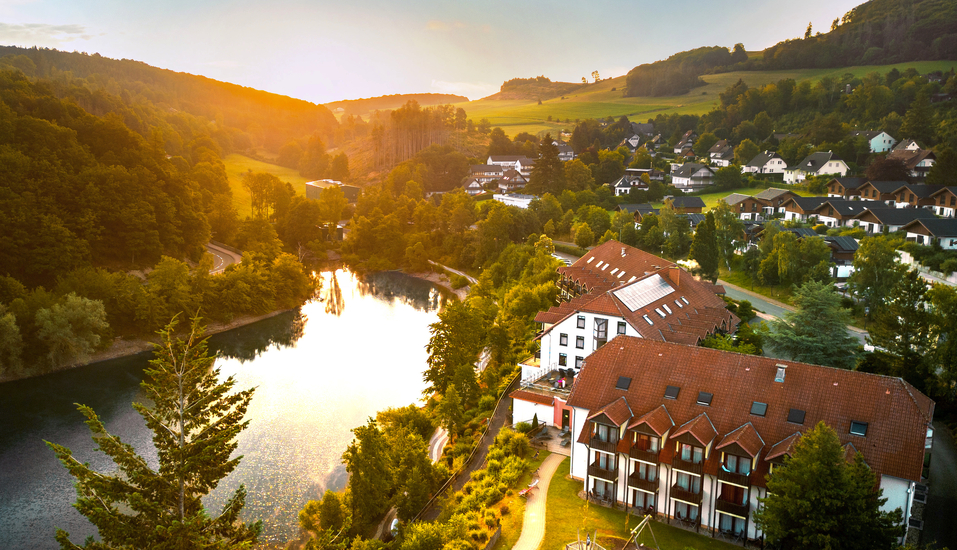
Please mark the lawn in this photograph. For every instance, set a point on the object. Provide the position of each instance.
(513, 520)
(603, 99)
(237, 165)
(741, 279)
(567, 515)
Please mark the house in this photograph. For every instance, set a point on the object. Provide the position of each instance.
(881, 220)
(314, 189)
(842, 255)
(721, 153)
(880, 142)
(883, 191)
(687, 205)
(838, 212)
(799, 208)
(847, 188)
(691, 176)
(524, 166)
(632, 179)
(686, 142)
(565, 152)
(746, 206)
(643, 128)
(473, 187)
(692, 433)
(774, 199)
(943, 231)
(632, 142)
(642, 210)
(485, 173)
(907, 145)
(514, 199)
(915, 195)
(512, 180)
(816, 164)
(918, 162)
(767, 162)
(520, 163)
(945, 201)
(693, 220)
(617, 289)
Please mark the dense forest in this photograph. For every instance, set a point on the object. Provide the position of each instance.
(393, 101)
(680, 73)
(538, 87)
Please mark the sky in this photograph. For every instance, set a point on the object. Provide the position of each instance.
(323, 51)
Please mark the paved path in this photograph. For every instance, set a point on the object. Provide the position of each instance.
(437, 443)
(533, 527)
(942, 495)
(471, 279)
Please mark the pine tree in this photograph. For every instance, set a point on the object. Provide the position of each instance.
(918, 122)
(548, 174)
(704, 248)
(195, 421)
(817, 500)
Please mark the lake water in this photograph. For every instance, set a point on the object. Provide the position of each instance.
(319, 372)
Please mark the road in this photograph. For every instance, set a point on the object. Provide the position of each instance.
(939, 524)
(222, 258)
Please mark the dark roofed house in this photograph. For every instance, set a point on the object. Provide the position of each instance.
(799, 208)
(767, 162)
(915, 195)
(838, 212)
(943, 231)
(687, 205)
(880, 220)
(918, 162)
(845, 187)
(945, 201)
(878, 141)
(746, 207)
(692, 176)
(721, 153)
(882, 191)
(774, 199)
(697, 430)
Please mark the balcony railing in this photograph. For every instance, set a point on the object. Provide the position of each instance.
(596, 470)
(645, 455)
(685, 495)
(607, 446)
(731, 477)
(740, 510)
(635, 481)
(687, 466)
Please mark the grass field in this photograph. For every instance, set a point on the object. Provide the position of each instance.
(604, 98)
(567, 515)
(513, 520)
(237, 165)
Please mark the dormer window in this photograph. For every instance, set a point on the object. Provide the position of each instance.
(858, 428)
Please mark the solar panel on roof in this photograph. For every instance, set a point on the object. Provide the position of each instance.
(644, 292)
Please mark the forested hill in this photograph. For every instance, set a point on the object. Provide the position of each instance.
(394, 101)
(253, 117)
(878, 32)
(540, 88)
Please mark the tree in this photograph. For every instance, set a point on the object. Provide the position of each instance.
(807, 33)
(577, 175)
(728, 228)
(457, 337)
(339, 169)
(677, 232)
(548, 173)
(918, 121)
(876, 271)
(887, 169)
(11, 343)
(367, 461)
(817, 500)
(745, 151)
(584, 236)
(902, 328)
(704, 248)
(195, 421)
(817, 332)
(728, 177)
(944, 168)
(71, 329)
(704, 144)
(450, 410)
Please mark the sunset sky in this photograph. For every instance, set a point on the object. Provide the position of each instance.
(323, 51)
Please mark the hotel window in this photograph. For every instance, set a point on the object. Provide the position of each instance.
(646, 443)
(621, 327)
(690, 453)
(646, 472)
(688, 482)
(579, 360)
(562, 359)
(580, 342)
(736, 464)
(581, 321)
(562, 339)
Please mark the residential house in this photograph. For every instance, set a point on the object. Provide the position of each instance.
(907, 145)
(473, 187)
(514, 199)
(746, 206)
(847, 188)
(883, 191)
(520, 163)
(943, 231)
(881, 220)
(632, 142)
(692, 433)
(632, 179)
(686, 142)
(918, 162)
(643, 128)
(837, 212)
(800, 208)
(512, 180)
(485, 173)
(721, 153)
(687, 205)
(842, 255)
(350, 192)
(879, 141)
(565, 152)
(524, 166)
(816, 164)
(774, 199)
(693, 220)
(642, 210)
(945, 201)
(767, 162)
(915, 195)
(691, 176)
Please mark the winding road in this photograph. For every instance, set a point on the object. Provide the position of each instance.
(222, 258)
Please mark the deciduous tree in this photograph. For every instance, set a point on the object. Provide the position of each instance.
(704, 248)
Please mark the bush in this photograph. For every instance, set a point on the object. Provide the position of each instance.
(458, 282)
(949, 266)
(504, 510)
(820, 229)
(523, 427)
(745, 311)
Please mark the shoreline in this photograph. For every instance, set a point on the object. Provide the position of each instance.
(442, 280)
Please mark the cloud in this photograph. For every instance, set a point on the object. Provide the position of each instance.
(471, 90)
(437, 25)
(41, 34)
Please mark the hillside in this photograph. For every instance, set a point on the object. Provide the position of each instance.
(604, 99)
(387, 102)
(264, 119)
(534, 88)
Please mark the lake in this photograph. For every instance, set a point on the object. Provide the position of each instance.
(319, 372)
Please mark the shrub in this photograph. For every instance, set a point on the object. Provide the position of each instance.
(745, 311)
(504, 510)
(523, 427)
(487, 403)
(458, 281)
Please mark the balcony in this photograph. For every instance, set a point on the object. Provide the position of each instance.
(644, 455)
(599, 445)
(740, 510)
(643, 484)
(595, 470)
(685, 495)
(735, 478)
(687, 466)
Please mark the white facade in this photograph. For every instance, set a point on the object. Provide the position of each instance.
(774, 165)
(947, 243)
(521, 201)
(831, 167)
(580, 329)
(525, 411)
(944, 211)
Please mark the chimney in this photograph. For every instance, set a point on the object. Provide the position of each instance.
(779, 376)
(622, 252)
(674, 272)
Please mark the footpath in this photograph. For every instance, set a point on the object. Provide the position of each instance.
(533, 527)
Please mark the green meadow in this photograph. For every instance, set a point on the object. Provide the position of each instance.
(237, 165)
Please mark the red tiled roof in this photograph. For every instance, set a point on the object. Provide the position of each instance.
(783, 447)
(897, 414)
(850, 452)
(658, 420)
(532, 397)
(700, 428)
(746, 437)
(617, 411)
